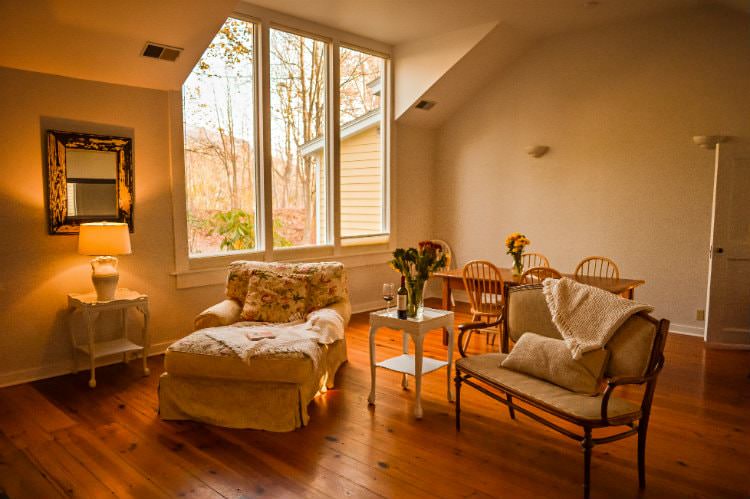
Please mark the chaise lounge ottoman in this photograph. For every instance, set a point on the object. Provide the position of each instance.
(233, 384)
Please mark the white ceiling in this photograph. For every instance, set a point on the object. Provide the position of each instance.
(399, 21)
(101, 39)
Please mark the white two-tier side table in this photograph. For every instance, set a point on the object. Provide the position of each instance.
(91, 309)
(415, 365)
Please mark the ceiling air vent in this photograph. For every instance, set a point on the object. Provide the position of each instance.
(163, 52)
(425, 105)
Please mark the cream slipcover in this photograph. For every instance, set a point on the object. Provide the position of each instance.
(205, 381)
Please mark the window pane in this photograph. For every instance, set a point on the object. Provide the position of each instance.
(298, 104)
(362, 163)
(218, 113)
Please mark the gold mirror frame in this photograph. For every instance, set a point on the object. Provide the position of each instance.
(57, 199)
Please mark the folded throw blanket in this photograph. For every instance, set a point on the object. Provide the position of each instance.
(586, 316)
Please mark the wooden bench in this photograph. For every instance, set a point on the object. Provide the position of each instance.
(636, 358)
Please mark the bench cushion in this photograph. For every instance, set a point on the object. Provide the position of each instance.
(580, 406)
(199, 355)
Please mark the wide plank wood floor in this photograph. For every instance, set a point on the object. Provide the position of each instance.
(59, 438)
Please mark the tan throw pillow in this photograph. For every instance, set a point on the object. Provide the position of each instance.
(273, 297)
(549, 359)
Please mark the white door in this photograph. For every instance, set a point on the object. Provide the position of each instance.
(728, 302)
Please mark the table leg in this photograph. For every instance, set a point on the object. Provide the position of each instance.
(146, 337)
(418, 357)
(631, 294)
(449, 331)
(71, 311)
(405, 350)
(124, 325)
(90, 319)
(371, 398)
(446, 294)
(446, 303)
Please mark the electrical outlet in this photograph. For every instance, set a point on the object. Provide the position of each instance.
(700, 315)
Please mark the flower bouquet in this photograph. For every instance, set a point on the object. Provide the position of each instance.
(515, 244)
(417, 265)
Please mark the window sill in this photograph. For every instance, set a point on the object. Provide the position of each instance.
(217, 273)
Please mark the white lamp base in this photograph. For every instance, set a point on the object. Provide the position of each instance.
(104, 275)
(105, 286)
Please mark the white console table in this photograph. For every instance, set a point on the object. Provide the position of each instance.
(124, 300)
(415, 365)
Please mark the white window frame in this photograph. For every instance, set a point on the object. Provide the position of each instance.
(193, 271)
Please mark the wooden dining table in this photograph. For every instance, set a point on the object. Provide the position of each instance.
(453, 279)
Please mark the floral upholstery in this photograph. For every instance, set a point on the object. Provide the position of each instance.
(327, 280)
(327, 283)
(274, 297)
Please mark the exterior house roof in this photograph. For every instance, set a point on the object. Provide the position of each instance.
(353, 127)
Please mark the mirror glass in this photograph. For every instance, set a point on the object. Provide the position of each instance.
(89, 179)
(91, 184)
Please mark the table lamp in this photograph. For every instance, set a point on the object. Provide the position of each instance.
(104, 239)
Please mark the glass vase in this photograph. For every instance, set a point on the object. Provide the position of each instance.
(517, 265)
(415, 298)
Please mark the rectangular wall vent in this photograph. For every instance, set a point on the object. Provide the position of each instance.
(425, 105)
(163, 52)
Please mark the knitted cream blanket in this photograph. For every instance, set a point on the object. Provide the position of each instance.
(586, 316)
(248, 340)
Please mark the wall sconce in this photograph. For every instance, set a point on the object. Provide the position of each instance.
(537, 151)
(709, 141)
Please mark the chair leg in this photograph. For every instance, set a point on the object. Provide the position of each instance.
(457, 379)
(587, 445)
(510, 407)
(642, 429)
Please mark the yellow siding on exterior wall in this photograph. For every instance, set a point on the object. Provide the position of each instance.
(361, 184)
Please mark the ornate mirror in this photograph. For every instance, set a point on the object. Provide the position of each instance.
(89, 179)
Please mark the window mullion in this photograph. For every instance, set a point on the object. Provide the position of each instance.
(334, 119)
(264, 111)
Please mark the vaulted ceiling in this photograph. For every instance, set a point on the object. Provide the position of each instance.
(102, 41)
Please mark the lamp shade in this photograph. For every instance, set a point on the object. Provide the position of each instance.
(104, 238)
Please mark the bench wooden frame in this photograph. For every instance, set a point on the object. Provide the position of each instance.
(635, 423)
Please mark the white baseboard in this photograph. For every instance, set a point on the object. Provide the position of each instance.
(66, 367)
(728, 346)
(686, 330)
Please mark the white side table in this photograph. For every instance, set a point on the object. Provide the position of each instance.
(415, 365)
(91, 309)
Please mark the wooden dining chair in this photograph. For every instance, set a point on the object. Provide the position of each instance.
(448, 261)
(531, 260)
(484, 285)
(536, 275)
(446, 251)
(597, 266)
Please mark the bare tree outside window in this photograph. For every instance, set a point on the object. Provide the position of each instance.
(219, 134)
(363, 197)
(298, 104)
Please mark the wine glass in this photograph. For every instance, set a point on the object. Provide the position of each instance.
(388, 295)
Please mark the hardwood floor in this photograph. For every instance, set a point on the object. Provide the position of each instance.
(60, 438)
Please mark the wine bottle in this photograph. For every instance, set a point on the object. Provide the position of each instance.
(401, 299)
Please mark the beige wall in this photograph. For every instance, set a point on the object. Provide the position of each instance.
(618, 107)
(38, 270)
